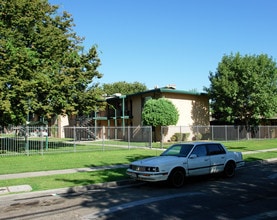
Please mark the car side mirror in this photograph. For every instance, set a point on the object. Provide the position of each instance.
(192, 156)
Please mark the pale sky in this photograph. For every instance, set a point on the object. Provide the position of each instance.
(161, 42)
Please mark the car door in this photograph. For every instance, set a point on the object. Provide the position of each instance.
(199, 161)
(217, 157)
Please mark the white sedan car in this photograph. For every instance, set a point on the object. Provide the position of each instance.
(189, 159)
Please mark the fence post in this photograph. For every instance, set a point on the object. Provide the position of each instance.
(46, 143)
(162, 137)
(26, 140)
(238, 132)
(150, 136)
(74, 136)
(41, 145)
(225, 132)
(103, 138)
(128, 135)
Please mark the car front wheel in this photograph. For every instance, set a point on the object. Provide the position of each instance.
(177, 178)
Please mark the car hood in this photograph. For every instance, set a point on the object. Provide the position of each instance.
(156, 161)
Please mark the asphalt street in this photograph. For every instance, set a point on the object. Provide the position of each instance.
(251, 194)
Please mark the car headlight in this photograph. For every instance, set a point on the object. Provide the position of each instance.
(144, 169)
(152, 169)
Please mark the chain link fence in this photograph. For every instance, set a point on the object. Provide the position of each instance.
(27, 140)
(216, 133)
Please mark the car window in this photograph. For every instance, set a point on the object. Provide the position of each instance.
(174, 150)
(215, 149)
(186, 149)
(200, 151)
(178, 150)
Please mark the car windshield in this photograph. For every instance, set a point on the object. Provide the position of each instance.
(180, 150)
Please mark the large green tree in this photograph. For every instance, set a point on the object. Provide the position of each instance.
(159, 112)
(43, 69)
(243, 90)
(123, 87)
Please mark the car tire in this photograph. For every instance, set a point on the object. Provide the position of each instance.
(229, 169)
(177, 178)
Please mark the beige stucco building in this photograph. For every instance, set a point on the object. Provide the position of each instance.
(126, 110)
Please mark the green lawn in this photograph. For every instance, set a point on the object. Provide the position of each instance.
(251, 145)
(18, 164)
(68, 180)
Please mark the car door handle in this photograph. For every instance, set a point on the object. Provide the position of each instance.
(206, 160)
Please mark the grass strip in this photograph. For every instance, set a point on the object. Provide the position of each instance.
(251, 145)
(20, 164)
(260, 156)
(68, 180)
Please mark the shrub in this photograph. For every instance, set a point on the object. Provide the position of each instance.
(197, 136)
(180, 137)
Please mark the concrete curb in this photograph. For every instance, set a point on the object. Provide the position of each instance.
(15, 189)
(77, 189)
(67, 191)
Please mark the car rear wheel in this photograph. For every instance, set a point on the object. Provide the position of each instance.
(229, 169)
(177, 178)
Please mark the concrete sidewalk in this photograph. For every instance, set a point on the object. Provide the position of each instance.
(259, 151)
(28, 188)
(54, 172)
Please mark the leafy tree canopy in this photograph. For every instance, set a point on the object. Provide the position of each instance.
(43, 69)
(159, 112)
(124, 88)
(243, 90)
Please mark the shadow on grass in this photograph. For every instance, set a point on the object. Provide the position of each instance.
(236, 148)
(260, 157)
(253, 159)
(100, 176)
(109, 174)
(129, 159)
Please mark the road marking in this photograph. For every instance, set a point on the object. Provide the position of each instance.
(136, 203)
